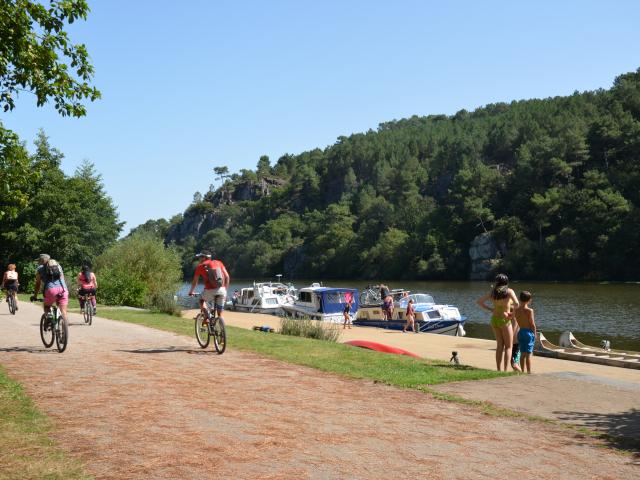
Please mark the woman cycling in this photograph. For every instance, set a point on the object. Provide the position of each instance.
(10, 282)
(503, 299)
(87, 285)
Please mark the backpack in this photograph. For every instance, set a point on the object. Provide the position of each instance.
(214, 275)
(52, 270)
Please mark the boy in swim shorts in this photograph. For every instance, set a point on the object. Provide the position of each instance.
(527, 335)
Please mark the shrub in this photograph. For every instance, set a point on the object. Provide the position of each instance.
(310, 329)
(139, 271)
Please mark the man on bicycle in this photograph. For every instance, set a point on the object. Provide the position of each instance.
(216, 281)
(50, 276)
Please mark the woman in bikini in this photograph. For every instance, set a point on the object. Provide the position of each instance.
(504, 301)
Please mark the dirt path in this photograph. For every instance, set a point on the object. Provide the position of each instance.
(132, 402)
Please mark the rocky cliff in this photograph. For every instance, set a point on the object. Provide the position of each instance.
(485, 256)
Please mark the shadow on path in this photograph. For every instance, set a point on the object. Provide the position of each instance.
(28, 349)
(622, 430)
(169, 350)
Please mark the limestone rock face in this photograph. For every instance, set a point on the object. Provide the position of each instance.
(198, 221)
(484, 254)
(193, 225)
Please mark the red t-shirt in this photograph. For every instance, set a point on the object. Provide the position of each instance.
(202, 272)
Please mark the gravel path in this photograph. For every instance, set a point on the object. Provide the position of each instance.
(133, 402)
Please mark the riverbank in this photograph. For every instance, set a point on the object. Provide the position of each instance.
(127, 383)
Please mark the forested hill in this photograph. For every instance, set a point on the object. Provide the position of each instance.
(553, 184)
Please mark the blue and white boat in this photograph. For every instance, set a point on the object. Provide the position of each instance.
(430, 316)
(323, 303)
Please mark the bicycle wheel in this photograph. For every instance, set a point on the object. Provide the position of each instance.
(202, 331)
(46, 331)
(62, 334)
(87, 312)
(12, 304)
(219, 336)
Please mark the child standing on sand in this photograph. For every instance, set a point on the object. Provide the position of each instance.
(527, 334)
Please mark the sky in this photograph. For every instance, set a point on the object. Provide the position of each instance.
(188, 86)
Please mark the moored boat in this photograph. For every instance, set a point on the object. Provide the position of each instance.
(430, 317)
(323, 303)
(264, 297)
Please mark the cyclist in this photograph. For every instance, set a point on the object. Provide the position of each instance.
(10, 282)
(87, 285)
(216, 281)
(50, 277)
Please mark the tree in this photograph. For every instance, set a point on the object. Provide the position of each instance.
(16, 175)
(139, 271)
(37, 56)
(264, 167)
(72, 218)
(221, 173)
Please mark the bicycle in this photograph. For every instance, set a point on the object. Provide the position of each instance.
(11, 300)
(87, 310)
(207, 326)
(53, 326)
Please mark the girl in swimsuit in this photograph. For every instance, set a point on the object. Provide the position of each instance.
(503, 299)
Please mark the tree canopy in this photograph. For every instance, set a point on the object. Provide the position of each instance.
(555, 181)
(37, 56)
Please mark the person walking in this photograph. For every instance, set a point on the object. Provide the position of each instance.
(503, 299)
(411, 317)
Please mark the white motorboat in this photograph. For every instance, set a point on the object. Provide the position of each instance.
(430, 317)
(264, 297)
(323, 303)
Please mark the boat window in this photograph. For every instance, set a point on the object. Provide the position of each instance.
(338, 297)
(418, 298)
(250, 294)
(305, 297)
(271, 301)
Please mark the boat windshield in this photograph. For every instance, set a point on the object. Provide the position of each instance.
(418, 298)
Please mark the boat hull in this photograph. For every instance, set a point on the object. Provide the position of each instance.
(295, 311)
(442, 327)
(255, 309)
(545, 348)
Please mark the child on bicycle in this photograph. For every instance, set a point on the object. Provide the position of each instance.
(87, 285)
(10, 282)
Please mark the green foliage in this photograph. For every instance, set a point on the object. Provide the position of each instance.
(139, 271)
(37, 55)
(17, 175)
(310, 329)
(69, 217)
(556, 181)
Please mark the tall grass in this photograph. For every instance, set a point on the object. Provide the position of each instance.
(308, 328)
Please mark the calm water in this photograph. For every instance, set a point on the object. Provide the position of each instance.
(591, 311)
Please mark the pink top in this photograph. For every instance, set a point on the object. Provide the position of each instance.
(82, 281)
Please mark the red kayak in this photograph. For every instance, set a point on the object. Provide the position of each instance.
(379, 347)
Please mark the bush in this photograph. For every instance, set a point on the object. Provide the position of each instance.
(310, 329)
(139, 271)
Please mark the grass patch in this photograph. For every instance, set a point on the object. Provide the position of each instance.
(308, 328)
(26, 451)
(331, 357)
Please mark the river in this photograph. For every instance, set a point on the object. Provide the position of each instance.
(592, 311)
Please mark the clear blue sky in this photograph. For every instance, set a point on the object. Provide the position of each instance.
(188, 86)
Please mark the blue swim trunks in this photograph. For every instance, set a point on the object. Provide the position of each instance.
(526, 340)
